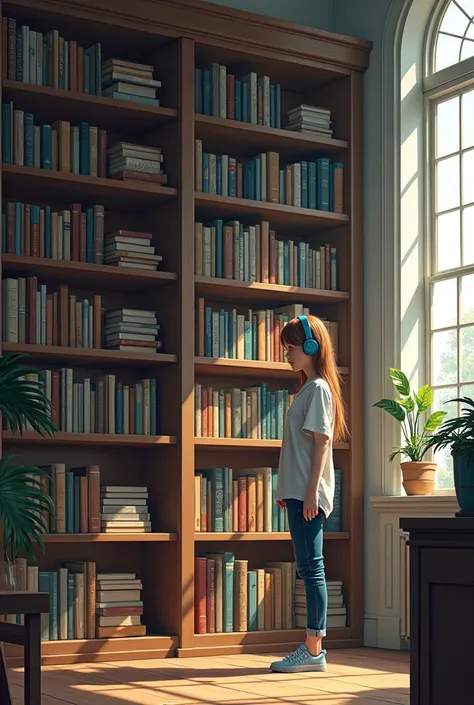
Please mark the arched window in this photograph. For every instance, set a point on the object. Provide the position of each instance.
(449, 99)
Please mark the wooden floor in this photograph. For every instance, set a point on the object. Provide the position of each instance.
(354, 677)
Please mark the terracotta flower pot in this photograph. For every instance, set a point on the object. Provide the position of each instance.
(418, 477)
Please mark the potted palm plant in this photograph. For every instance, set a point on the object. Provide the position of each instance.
(409, 409)
(458, 434)
(23, 504)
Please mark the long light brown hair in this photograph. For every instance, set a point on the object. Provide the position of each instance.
(324, 364)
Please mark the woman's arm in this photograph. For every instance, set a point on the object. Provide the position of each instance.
(320, 451)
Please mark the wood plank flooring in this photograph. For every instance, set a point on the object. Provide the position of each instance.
(354, 677)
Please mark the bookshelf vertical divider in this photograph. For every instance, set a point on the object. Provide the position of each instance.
(312, 67)
(186, 117)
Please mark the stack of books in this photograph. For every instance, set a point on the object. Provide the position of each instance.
(136, 162)
(119, 606)
(131, 329)
(132, 249)
(128, 80)
(124, 510)
(310, 120)
(337, 612)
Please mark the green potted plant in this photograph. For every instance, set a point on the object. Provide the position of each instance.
(458, 434)
(409, 410)
(23, 504)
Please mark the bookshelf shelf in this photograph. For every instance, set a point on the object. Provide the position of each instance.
(247, 368)
(38, 183)
(89, 357)
(282, 217)
(276, 294)
(110, 538)
(304, 67)
(246, 139)
(97, 439)
(259, 641)
(246, 444)
(72, 651)
(216, 536)
(49, 104)
(55, 270)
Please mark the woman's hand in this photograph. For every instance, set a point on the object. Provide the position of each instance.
(281, 503)
(310, 504)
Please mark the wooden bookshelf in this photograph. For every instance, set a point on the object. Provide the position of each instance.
(312, 67)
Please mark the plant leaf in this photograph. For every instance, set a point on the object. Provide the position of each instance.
(435, 420)
(391, 407)
(407, 403)
(22, 400)
(400, 380)
(424, 398)
(23, 505)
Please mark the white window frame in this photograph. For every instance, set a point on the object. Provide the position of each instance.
(436, 85)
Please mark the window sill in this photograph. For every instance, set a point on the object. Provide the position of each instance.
(435, 504)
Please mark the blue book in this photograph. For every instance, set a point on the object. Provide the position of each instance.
(252, 600)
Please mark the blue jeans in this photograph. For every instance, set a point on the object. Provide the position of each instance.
(307, 538)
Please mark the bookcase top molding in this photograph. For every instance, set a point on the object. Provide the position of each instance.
(209, 23)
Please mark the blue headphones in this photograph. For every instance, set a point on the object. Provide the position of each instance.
(310, 345)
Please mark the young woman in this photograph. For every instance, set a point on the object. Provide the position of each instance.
(314, 421)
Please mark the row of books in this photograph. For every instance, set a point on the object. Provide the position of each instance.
(72, 149)
(229, 596)
(254, 412)
(243, 500)
(237, 500)
(33, 313)
(84, 603)
(236, 250)
(50, 59)
(247, 98)
(254, 335)
(102, 405)
(73, 234)
(84, 506)
(315, 183)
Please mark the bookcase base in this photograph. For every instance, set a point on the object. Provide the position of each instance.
(55, 653)
(261, 642)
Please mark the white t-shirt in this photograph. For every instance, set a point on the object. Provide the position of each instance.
(312, 411)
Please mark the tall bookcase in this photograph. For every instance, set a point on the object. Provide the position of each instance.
(312, 67)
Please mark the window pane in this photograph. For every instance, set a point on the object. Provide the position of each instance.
(468, 177)
(467, 354)
(466, 299)
(467, 49)
(468, 235)
(447, 184)
(444, 472)
(467, 6)
(447, 51)
(454, 20)
(467, 121)
(442, 401)
(467, 390)
(444, 304)
(448, 238)
(444, 358)
(447, 127)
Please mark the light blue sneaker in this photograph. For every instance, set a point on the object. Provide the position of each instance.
(300, 660)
